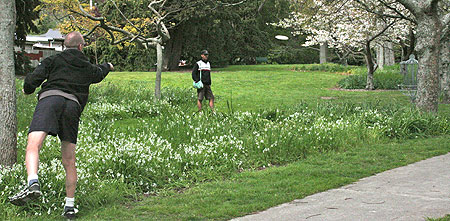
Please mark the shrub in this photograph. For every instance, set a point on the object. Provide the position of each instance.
(327, 67)
(292, 55)
(388, 78)
(22, 64)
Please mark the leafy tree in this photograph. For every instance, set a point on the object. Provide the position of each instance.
(26, 15)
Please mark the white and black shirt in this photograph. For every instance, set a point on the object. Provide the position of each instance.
(204, 68)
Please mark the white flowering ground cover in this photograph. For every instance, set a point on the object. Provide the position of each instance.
(130, 144)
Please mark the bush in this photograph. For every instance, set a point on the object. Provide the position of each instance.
(291, 55)
(328, 67)
(388, 78)
(22, 64)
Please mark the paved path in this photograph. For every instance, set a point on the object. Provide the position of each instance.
(412, 192)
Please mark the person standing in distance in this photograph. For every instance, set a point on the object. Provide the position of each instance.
(203, 68)
(61, 100)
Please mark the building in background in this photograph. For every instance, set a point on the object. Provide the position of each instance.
(38, 47)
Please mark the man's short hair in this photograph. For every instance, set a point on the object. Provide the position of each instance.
(73, 39)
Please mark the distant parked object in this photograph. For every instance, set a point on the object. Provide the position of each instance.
(38, 47)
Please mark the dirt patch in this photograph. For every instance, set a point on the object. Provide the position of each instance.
(344, 73)
(328, 98)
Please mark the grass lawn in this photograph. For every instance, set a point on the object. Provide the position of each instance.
(237, 193)
(252, 191)
(257, 87)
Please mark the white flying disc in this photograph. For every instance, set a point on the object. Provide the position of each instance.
(282, 37)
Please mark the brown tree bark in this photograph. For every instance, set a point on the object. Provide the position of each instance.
(173, 49)
(445, 70)
(370, 67)
(428, 49)
(8, 120)
(428, 46)
(159, 58)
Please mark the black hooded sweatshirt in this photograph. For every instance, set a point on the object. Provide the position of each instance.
(205, 68)
(69, 71)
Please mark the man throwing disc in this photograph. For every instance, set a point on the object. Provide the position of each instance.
(61, 100)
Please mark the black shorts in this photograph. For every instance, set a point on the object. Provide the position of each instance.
(205, 92)
(57, 115)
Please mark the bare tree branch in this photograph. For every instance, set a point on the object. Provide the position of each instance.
(131, 23)
(261, 6)
(231, 4)
(163, 33)
(411, 5)
(387, 5)
(403, 16)
(92, 30)
(382, 31)
(446, 25)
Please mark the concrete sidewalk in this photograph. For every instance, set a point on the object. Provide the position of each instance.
(414, 192)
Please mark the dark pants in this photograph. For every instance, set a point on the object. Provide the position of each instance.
(205, 92)
(57, 115)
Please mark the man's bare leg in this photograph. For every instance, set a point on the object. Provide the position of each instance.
(211, 104)
(35, 141)
(199, 105)
(32, 191)
(68, 160)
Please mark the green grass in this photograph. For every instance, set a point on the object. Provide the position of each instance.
(445, 218)
(361, 133)
(266, 86)
(252, 191)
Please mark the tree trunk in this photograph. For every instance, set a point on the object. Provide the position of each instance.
(8, 122)
(404, 51)
(412, 43)
(173, 49)
(385, 55)
(428, 50)
(445, 71)
(323, 52)
(370, 67)
(380, 56)
(159, 58)
(167, 54)
(389, 57)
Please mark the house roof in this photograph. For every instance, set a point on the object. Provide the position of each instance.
(51, 35)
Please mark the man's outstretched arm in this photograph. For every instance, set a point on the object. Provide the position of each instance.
(34, 80)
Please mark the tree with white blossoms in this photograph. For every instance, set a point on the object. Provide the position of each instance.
(433, 48)
(432, 24)
(347, 27)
